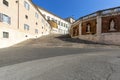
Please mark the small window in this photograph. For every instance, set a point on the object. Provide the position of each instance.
(5, 35)
(48, 17)
(58, 22)
(26, 5)
(5, 18)
(64, 24)
(36, 31)
(52, 19)
(26, 27)
(5, 3)
(36, 15)
(61, 24)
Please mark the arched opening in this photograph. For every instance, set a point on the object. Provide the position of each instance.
(112, 25)
(88, 28)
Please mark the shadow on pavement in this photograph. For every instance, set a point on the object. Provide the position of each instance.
(67, 38)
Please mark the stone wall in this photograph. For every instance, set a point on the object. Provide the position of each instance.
(106, 23)
(92, 24)
(76, 30)
(100, 27)
(107, 38)
(111, 38)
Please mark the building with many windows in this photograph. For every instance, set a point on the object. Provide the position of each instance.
(59, 25)
(20, 20)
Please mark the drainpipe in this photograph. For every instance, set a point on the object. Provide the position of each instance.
(18, 13)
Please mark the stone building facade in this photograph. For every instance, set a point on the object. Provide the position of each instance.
(102, 26)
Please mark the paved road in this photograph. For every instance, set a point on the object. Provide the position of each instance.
(56, 59)
(14, 55)
(65, 64)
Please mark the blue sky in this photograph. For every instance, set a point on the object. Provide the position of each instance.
(75, 8)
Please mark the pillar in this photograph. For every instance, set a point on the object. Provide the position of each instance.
(99, 24)
(80, 28)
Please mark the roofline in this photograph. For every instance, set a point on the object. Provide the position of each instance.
(38, 10)
(51, 13)
(97, 12)
(70, 17)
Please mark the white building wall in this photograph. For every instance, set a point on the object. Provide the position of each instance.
(16, 28)
(61, 29)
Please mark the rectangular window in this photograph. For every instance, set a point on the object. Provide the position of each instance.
(5, 3)
(5, 18)
(5, 35)
(64, 24)
(26, 27)
(48, 17)
(36, 31)
(26, 5)
(36, 15)
(61, 24)
(58, 22)
(52, 19)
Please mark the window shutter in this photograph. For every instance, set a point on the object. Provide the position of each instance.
(1, 17)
